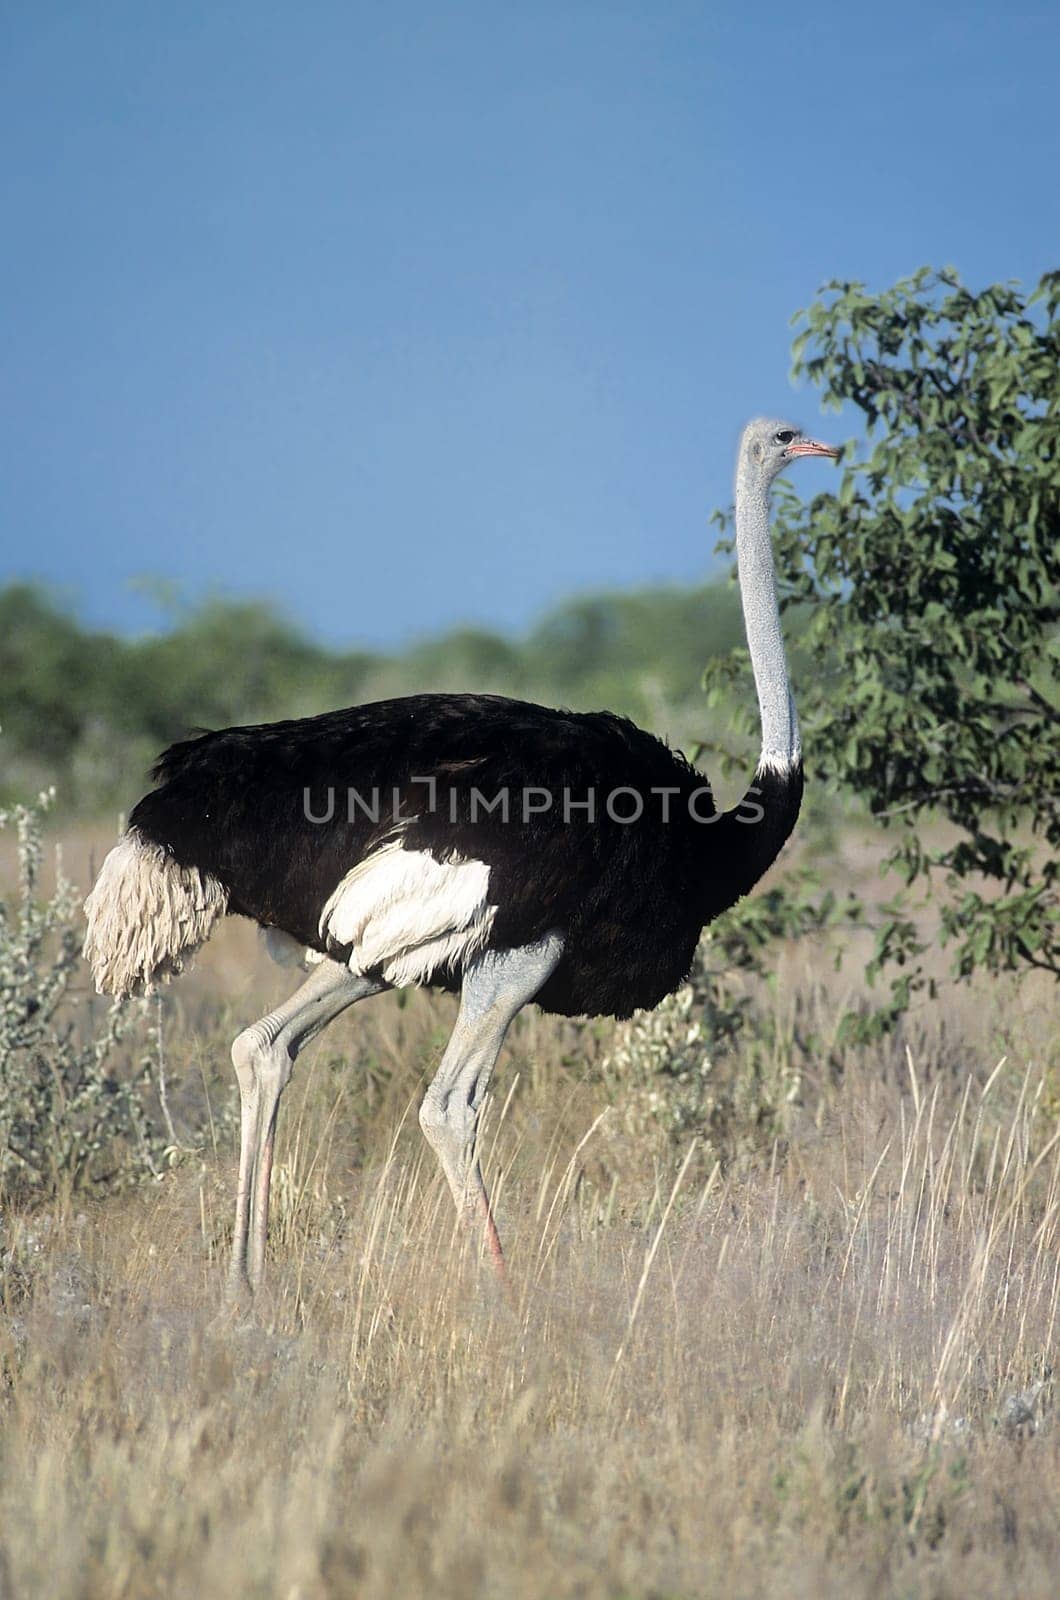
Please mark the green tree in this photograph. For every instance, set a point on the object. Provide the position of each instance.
(51, 673)
(90, 711)
(929, 587)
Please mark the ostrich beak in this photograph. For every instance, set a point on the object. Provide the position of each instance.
(810, 447)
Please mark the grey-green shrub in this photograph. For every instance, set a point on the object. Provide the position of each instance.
(68, 1118)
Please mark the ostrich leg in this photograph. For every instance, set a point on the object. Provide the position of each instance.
(496, 986)
(263, 1056)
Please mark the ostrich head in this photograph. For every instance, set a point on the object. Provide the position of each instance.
(767, 445)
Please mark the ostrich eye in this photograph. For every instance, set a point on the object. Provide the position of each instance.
(784, 436)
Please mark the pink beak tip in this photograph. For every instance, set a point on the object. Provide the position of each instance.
(812, 447)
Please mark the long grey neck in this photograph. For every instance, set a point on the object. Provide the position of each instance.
(781, 744)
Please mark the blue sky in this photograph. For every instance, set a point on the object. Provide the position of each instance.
(405, 315)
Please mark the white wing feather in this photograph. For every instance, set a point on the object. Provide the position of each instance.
(406, 914)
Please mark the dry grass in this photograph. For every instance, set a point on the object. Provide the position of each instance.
(822, 1370)
(819, 1366)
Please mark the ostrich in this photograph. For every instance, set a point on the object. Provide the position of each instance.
(506, 851)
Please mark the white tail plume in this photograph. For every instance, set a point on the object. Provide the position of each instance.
(146, 916)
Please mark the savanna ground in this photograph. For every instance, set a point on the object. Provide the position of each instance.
(808, 1352)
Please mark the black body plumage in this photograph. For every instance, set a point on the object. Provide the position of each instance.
(280, 813)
